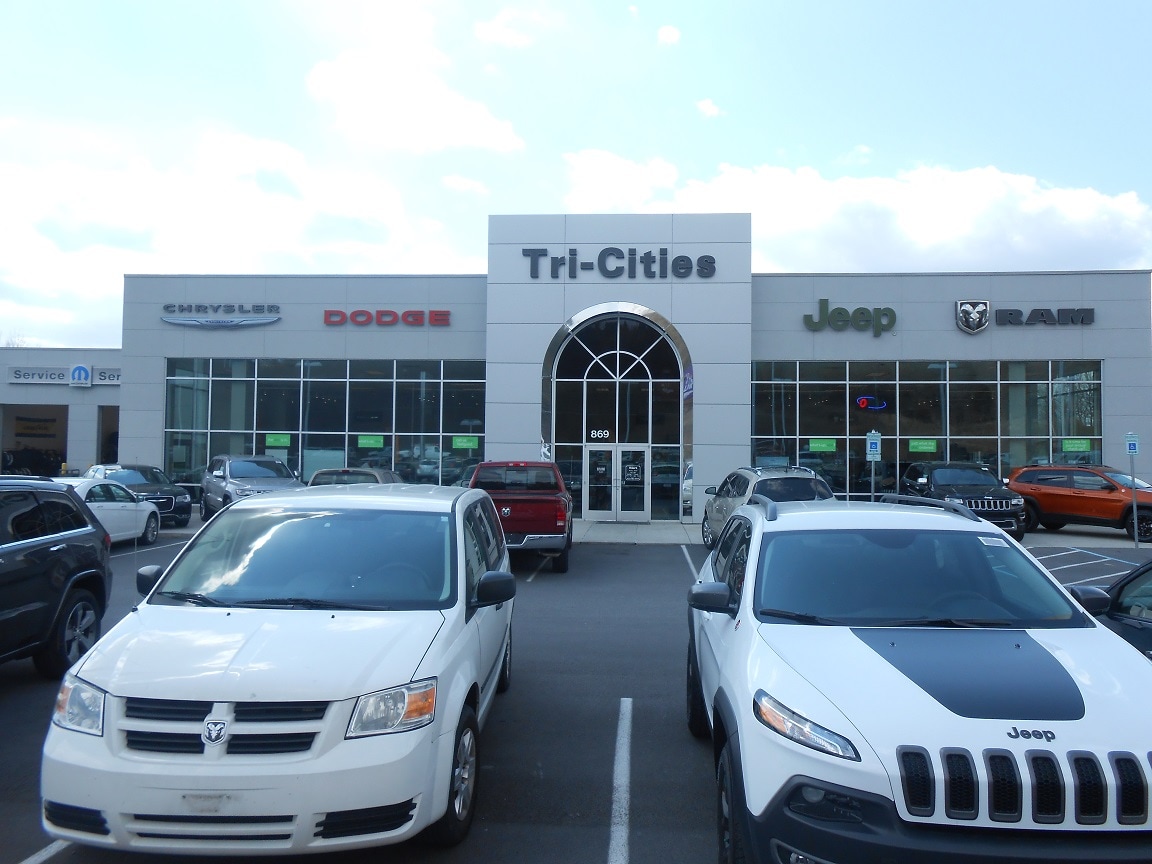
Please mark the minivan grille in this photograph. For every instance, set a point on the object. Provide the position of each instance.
(1040, 788)
(252, 728)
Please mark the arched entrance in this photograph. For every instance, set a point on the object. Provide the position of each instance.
(617, 412)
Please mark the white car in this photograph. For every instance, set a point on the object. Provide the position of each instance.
(124, 514)
(310, 674)
(893, 683)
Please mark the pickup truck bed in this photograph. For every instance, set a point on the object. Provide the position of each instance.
(534, 506)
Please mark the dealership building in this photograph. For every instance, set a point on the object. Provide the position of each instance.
(624, 347)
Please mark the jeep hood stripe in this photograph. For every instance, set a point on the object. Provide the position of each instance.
(982, 674)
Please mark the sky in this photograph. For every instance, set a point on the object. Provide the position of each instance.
(373, 136)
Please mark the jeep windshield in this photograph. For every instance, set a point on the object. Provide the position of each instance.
(277, 557)
(903, 578)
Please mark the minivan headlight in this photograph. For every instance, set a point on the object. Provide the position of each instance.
(395, 710)
(780, 718)
(79, 707)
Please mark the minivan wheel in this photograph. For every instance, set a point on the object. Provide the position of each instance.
(73, 633)
(1143, 521)
(454, 824)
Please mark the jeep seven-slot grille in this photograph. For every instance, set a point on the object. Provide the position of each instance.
(1042, 789)
(179, 727)
(986, 504)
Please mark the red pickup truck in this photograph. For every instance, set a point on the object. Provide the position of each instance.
(534, 505)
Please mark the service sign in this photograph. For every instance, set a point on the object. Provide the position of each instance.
(79, 375)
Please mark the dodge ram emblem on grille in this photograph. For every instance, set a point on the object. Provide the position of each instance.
(214, 731)
(505, 511)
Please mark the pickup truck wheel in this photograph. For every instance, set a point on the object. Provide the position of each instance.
(697, 710)
(75, 631)
(560, 562)
(453, 826)
(730, 828)
(707, 534)
(505, 679)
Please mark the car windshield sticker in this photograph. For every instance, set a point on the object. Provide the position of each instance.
(993, 541)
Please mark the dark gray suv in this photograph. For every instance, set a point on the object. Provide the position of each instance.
(229, 477)
(55, 576)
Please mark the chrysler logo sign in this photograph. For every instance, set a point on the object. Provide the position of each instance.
(220, 316)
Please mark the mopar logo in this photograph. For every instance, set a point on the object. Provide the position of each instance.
(80, 376)
(1037, 734)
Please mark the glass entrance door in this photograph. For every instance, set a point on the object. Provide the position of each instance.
(616, 484)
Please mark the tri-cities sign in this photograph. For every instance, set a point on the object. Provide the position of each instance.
(612, 262)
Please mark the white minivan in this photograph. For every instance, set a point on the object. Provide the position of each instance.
(311, 673)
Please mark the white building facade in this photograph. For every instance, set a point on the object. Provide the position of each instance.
(624, 347)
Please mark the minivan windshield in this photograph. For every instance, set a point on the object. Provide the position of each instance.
(279, 557)
(892, 577)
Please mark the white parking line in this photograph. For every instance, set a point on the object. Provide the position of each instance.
(47, 852)
(621, 786)
(691, 567)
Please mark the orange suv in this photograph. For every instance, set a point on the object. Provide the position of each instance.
(1058, 495)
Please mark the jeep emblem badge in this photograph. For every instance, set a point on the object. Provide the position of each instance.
(214, 731)
(971, 315)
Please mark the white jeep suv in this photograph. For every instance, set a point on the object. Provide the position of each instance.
(310, 674)
(893, 683)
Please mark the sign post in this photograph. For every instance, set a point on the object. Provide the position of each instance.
(872, 454)
(1132, 440)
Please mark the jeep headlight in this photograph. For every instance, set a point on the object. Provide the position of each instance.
(1018, 501)
(779, 718)
(79, 707)
(395, 710)
(183, 499)
(243, 491)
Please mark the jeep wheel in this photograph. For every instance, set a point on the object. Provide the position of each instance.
(707, 534)
(151, 530)
(1031, 517)
(697, 710)
(730, 826)
(1049, 525)
(73, 633)
(205, 515)
(1143, 520)
(454, 824)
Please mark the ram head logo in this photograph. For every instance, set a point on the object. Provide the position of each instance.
(972, 315)
(214, 731)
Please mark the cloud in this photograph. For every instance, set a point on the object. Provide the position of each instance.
(708, 108)
(924, 219)
(398, 98)
(668, 35)
(464, 184)
(516, 28)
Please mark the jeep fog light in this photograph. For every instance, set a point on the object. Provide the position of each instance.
(780, 718)
(396, 710)
(824, 804)
(79, 707)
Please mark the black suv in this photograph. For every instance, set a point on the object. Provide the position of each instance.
(55, 576)
(972, 485)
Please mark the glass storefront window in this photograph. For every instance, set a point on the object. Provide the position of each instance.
(187, 404)
(371, 370)
(270, 368)
(821, 408)
(418, 406)
(774, 370)
(325, 406)
(333, 370)
(934, 409)
(234, 369)
(233, 404)
(821, 370)
(278, 405)
(370, 406)
(187, 367)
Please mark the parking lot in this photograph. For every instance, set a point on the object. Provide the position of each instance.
(587, 757)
